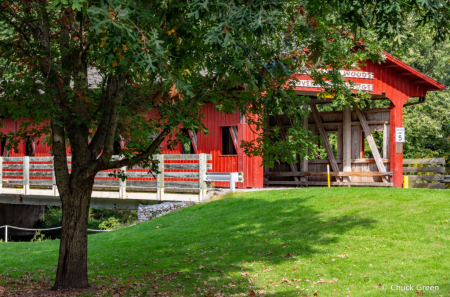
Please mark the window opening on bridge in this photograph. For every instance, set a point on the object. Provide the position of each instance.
(2, 147)
(117, 147)
(29, 147)
(187, 148)
(229, 140)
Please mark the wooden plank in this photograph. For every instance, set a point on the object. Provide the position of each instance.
(41, 159)
(7, 181)
(12, 166)
(371, 141)
(437, 177)
(35, 182)
(353, 161)
(283, 137)
(427, 186)
(186, 166)
(141, 183)
(424, 169)
(437, 161)
(41, 173)
(386, 139)
(323, 134)
(103, 182)
(12, 173)
(185, 157)
(138, 174)
(319, 183)
(365, 174)
(347, 142)
(12, 159)
(181, 184)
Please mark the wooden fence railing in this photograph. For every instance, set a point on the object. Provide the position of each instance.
(32, 175)
(433, 177)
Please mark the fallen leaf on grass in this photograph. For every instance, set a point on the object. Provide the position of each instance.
(202, 267)
(285, 280)
(157, 227)
(343, 256)
(288, 255)
(324, 281)
(251, 293)
(244, 274)
(419, 293)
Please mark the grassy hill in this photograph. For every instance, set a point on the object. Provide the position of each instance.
(306, 242)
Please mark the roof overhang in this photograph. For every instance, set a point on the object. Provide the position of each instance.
(412, 74)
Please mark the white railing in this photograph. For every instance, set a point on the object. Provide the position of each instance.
(232, 177)
(176, 171)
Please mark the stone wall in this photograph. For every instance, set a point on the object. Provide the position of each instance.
(148, 212)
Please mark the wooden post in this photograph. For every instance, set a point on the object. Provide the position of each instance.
(386, 138)
(123, 185)
(326, 142)
(396, 158)
(347, 142)
(371, 141)
(1, 175)
(202, 176)
(284, 138)
(26, 175)
(305, 161)
(160, 178)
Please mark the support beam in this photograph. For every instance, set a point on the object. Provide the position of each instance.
(323, 134)
(305, 161)
(347, 142)
(371, 141)
(284, 138)
(396, 157)
(386, 137)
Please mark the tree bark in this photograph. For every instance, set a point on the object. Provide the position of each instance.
(72, 264)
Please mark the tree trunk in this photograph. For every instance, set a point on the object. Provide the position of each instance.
(72, 265)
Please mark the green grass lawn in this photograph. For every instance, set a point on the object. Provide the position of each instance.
(332, 242)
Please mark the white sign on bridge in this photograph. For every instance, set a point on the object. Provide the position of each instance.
(355, 86)
(400, 134)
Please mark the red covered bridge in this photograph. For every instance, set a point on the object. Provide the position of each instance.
(392, 80)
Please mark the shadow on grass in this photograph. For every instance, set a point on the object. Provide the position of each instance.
(220, 241)
(223, 248)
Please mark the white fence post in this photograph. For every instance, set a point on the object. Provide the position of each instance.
(1, 175)
(54, 187)
(202, 175)
(160, 177)
(123, 185)
(234, 177)
(6, 233)
(26, 175)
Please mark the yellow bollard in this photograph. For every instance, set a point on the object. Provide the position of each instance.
(405, 181)
(328, 175)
